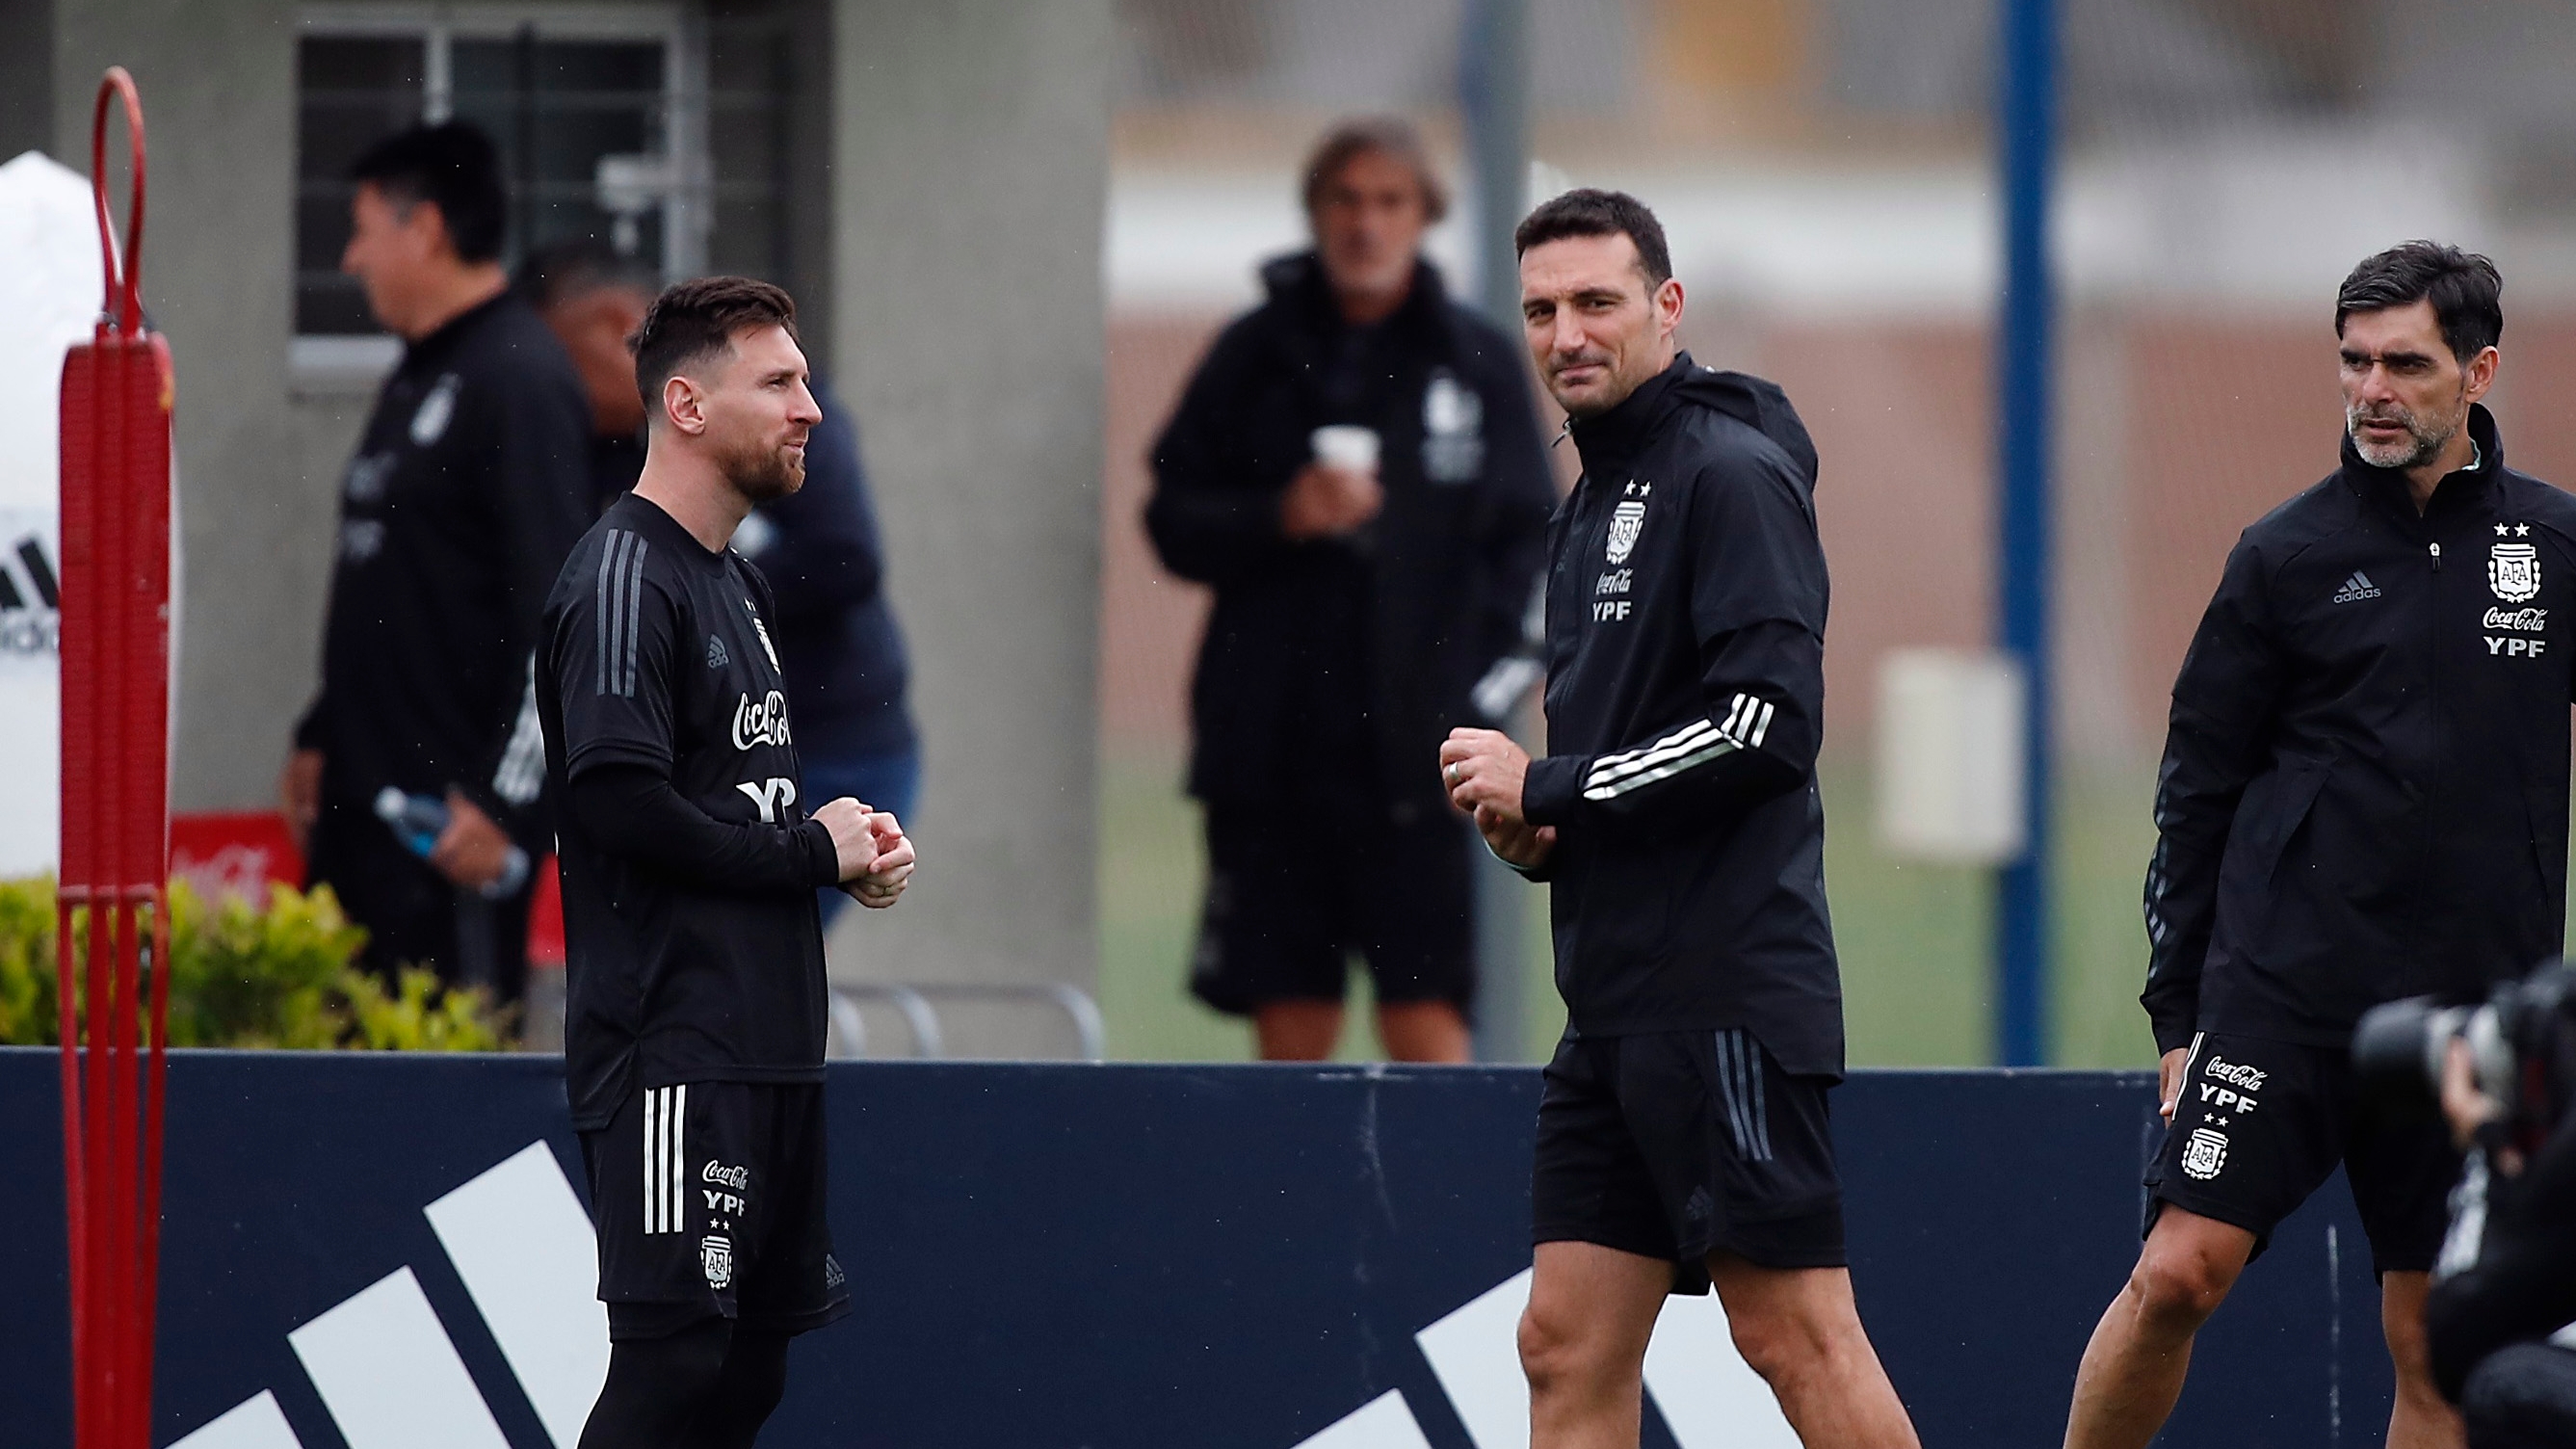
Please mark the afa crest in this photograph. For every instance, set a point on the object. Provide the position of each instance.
(1626, 522)
(2513, 571)
(715, 1254)
(2203, 1154)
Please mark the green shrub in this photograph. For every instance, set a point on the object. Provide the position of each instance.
(281, 977)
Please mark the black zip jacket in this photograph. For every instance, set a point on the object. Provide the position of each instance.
(1361, 654)
(469, 489)
(2364, 789)
(1686, 601)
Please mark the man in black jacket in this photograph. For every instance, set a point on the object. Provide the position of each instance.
(2364, 796)
(468, 491)
(1364, 604)
(1683, 1136)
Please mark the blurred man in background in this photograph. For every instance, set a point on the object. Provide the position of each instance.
(593, 297)
(1356, 470)
(469, 489)
(818, 547)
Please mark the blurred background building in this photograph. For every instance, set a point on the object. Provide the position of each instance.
(1013, 227)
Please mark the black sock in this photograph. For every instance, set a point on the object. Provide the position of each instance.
(753, 1381)
(658, 1387)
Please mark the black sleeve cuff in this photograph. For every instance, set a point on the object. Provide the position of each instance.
(822, 859)
(2173, 1036)
(1550, 789)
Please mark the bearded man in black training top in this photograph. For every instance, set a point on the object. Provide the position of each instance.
(693, 1036)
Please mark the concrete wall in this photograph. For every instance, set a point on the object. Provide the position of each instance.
(256, 472)
(969, 165)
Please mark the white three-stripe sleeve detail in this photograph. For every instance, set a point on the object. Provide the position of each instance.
(1697, 726)
(1762, 728)
(652, 1163)
(1617, 788)
(1680, 742)
(679, 1158)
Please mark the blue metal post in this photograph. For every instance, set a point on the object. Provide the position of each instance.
(1493, 95)
(2025, 141)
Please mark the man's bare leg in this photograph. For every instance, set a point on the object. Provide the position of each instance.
(2420, 1419)
(1583, 1343)
(2133, 1369)
(1297, 1031)
(1423, 1031)
(1799, 1329)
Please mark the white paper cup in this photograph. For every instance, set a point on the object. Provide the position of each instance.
(1345, 445)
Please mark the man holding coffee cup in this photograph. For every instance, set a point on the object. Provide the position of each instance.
(1356, 470)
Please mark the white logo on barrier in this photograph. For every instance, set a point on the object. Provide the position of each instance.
(1626, 522)
(2204, 1153)
(2513, 571)
(383, 1364)
(1708, 1396)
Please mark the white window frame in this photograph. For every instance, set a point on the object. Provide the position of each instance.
(687, 217)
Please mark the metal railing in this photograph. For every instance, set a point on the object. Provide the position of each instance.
(915, 1003)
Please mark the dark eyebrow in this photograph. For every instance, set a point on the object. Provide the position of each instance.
(2394, 358)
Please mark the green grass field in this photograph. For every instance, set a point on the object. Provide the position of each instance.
(1912, 937)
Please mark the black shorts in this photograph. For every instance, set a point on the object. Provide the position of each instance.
(1680, 1144)
(2261, 1125)
(709, 1201)
(1288, 901)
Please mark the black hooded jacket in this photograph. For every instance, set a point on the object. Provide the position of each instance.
(1340, 664)
(1686, 603)
(470, 486)
(2364, 789)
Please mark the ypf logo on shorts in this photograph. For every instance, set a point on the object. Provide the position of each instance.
(715, 1255)
(2203, 1154)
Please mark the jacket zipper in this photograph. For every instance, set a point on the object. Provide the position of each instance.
(2437, 558)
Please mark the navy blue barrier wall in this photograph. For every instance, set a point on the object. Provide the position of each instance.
(1163, 1256)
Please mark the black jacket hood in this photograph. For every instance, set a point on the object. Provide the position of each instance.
(1756, 402)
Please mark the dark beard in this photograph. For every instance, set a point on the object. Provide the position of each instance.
(762, 474)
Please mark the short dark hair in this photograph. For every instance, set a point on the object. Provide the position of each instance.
(1589, 212)
(452, 165)
(577, 268)
(697, 319)
(2466, 290)
(1390, 136)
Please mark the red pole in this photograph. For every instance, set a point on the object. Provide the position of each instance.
(115, 838)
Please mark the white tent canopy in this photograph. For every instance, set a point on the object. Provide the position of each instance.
(50, 286)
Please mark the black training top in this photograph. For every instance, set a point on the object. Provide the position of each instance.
(682, 967)
(2364, 789)
(468, 488)
(1332, 668)
(1686, 602)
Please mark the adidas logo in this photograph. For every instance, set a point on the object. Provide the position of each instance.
(1707, 1394)
(384, 1365)
(717, 658)
(2358, 586)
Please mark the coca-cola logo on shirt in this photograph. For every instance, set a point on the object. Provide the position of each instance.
(2529, 621)
(763, 723)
